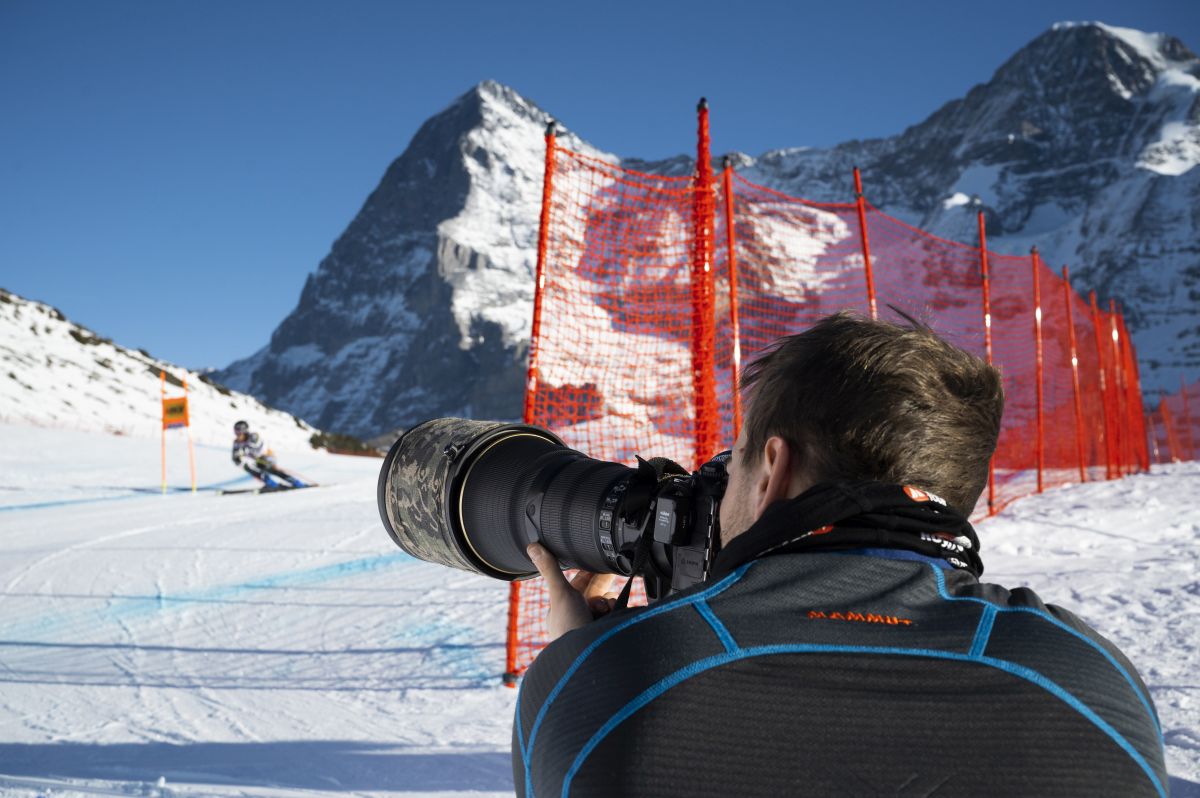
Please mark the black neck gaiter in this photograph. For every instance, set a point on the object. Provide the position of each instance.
(852, 515)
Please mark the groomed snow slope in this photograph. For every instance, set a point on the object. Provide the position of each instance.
(281, 645)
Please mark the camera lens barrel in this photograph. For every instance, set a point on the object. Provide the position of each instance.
(419, 490)
(473, 494)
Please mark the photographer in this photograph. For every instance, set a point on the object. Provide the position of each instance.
(842, 644)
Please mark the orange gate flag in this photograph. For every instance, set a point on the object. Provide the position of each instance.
(175, 412)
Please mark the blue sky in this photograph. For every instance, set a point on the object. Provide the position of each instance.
(170, 171)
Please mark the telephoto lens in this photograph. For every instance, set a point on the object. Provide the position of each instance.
(474, 494)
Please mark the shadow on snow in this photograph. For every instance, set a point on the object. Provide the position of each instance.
(325, 765)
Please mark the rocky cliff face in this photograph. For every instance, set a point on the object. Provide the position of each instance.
(423, 306)
(1084, 143)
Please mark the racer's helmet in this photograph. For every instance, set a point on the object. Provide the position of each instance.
(241, 428)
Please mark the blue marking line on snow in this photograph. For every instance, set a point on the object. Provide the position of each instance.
(126, 608)
(129, 608)
(136, 493)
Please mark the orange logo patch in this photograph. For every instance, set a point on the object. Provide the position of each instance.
(916, 494)
(859, 617)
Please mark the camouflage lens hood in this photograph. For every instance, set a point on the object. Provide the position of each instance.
(419, 485)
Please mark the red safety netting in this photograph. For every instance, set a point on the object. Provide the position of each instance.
(615, 306)
(654, 291)
(1173, 426)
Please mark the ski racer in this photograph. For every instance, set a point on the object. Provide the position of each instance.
(251, 454)
(843, 643)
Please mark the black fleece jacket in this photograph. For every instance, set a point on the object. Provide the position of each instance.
(837, 651)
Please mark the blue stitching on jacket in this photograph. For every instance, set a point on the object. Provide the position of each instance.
(650, 612)
(722, 633)
(983, 631)
(521, 734)
(941, 586)
(653, 692)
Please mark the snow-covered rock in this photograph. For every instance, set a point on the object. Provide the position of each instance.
(55, 373)
(1084, 143)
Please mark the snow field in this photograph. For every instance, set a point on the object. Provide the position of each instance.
(281, 645)
(269, 645)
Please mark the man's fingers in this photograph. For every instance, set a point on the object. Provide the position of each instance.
(547, 566)
(591, 584)
(582, 581)
(599, 585)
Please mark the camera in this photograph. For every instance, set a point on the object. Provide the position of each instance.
(473, 494)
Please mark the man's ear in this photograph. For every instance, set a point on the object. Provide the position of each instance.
(773, 482)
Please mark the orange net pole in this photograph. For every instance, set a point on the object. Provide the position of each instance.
(861, 204)
(731, 255)
(1153, 436)
(1187, 421)
(1109, 458)
(1068, 295)
(531, 379)
(1139, 451)
(511, 673)
(987, 342)
(1174, 450)
(512, 664)
(1120, 428)
(1037, 335)
(702, 340)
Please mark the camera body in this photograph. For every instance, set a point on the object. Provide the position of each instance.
(687, 521)
(658, 522)
(473, 495)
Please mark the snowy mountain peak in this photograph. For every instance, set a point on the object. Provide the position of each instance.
(1084, 143)
(422, 306)
(1160, 50)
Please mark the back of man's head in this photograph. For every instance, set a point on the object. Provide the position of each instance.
(860, 399)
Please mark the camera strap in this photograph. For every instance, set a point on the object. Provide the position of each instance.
(649, 474)
(641, 555)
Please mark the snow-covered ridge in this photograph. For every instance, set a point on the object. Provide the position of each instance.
(55, 373)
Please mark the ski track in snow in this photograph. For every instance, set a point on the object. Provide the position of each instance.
(281, 645)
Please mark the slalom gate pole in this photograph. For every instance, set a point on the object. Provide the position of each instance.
(1118, 389)
(1187, 420)
(1037, 336)
(162, 394)
(987, 342)
(730, 241)
(1067, 296)
(510, 675)
(1108, 453)
(191, 448)
(704, 392)
(861, 202)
